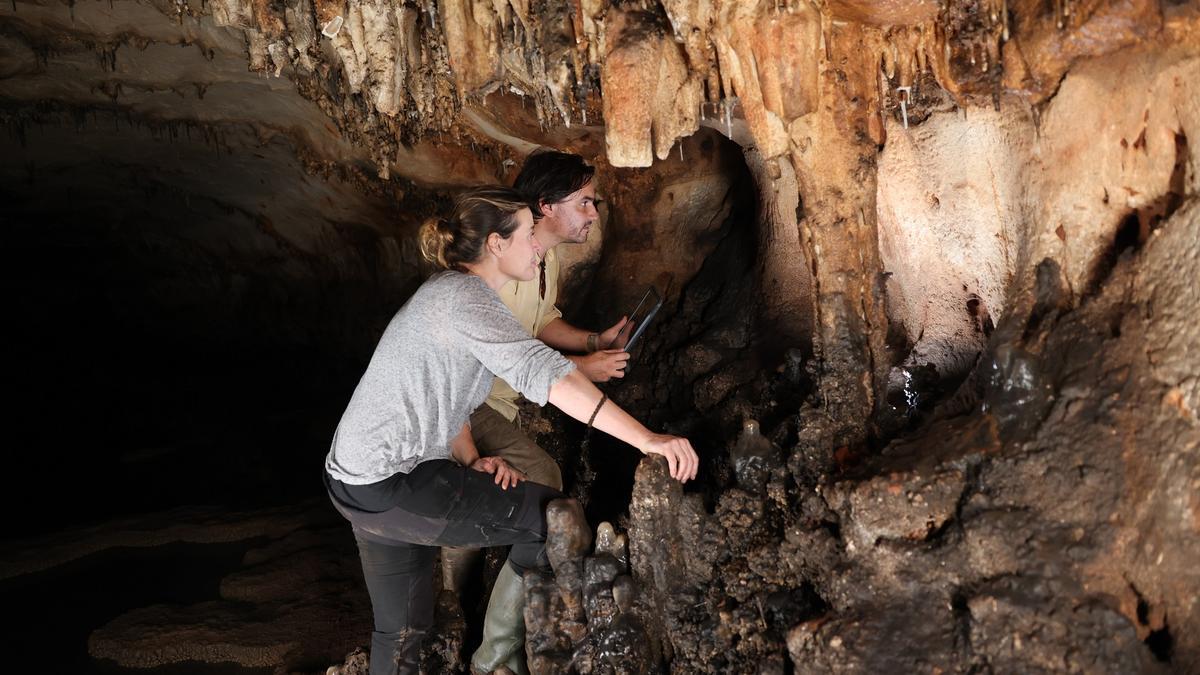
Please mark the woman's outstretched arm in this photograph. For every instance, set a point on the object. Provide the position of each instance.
(576, 396)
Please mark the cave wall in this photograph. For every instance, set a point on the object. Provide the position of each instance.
(429, 93)
(846, 196)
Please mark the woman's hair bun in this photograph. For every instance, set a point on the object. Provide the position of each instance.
(436, 237)
(452, 243)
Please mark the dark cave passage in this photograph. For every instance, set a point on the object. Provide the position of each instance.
(169, 345)
(104, 586)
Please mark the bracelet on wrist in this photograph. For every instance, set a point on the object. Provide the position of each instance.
(592, 338)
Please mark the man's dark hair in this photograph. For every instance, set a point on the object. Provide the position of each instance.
(551, 176)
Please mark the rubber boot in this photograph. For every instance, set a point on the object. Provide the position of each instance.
(503, 643)
(457, 565)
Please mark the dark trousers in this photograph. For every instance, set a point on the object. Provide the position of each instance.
(439, 503)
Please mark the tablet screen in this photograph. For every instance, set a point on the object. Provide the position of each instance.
(641, 316)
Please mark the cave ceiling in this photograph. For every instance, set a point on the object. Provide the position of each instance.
(374, 110)
(483, 82)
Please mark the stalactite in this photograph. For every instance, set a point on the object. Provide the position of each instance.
(1062, 13)
(381, 46)
(278, 52)
(257, 46)
(301, 31)
(343, 44)
(922, 50)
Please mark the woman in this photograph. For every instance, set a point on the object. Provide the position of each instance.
(403, 468)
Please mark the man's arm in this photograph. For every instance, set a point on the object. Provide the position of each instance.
(567, 338)
(564, 337)
(601, 365)
(462, 447)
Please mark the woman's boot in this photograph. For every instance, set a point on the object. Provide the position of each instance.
(503, 627)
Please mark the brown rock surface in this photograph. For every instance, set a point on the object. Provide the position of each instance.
(945, 252)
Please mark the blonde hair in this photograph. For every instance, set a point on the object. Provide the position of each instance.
(450, 242)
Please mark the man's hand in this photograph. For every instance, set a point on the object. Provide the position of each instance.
(681, 458)
(506, 476)
(603, 365)
(614, 338)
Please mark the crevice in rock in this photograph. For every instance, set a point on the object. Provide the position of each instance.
(1050, 295)
(1155, 626)
(962, 625)
(1128, 239)
(951, 531)
(1161, 643)
(1136, 227)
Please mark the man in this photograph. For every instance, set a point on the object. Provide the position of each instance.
(562, 196)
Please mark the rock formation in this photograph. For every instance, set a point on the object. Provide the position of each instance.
(945, 253)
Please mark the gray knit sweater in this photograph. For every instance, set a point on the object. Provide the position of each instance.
(432, 368)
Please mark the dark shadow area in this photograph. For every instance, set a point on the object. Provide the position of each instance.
(186, 317)
(188, 312)
(697, 365)
(59, 608)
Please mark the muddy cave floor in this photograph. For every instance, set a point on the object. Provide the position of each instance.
(996, 540)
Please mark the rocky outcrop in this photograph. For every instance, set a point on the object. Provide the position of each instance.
(945, 252)
(1043, 531)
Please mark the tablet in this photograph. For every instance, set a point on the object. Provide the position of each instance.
(641, 316)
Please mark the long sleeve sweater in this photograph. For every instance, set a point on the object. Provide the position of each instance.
(433, 366)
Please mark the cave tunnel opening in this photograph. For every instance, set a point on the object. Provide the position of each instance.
(189, 309)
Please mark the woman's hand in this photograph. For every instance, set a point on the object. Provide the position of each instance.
(506, 476)
(681, 458)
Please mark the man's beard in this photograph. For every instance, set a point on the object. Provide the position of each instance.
(581, 235)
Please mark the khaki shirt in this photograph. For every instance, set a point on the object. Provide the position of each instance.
(533, 313)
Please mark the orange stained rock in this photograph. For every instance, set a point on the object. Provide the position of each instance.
(1041, 52)
(269, 22)
(472, 43)
(649, 98)
(884, 12)
(328, 10)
